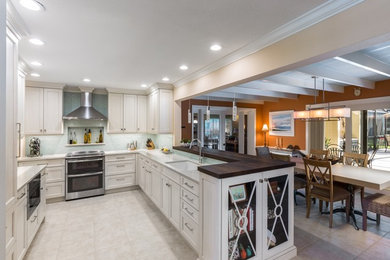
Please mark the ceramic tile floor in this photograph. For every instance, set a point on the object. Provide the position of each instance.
(128, 226)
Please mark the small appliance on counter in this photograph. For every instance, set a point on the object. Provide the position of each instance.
(132, 145)
(35, 147)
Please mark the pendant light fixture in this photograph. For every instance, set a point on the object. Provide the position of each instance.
(234, 112)
(208, 109)
(326, 112)
(189, 112)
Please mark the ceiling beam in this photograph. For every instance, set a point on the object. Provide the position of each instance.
(302, 83)
(263, 85)
(324, 72)
(261, 93)
(241, 96)
(259, 102)
(361, 60)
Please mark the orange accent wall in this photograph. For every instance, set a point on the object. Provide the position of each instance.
(382, 88)
(186, 127)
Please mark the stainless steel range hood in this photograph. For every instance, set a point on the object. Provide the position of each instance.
(85, 111)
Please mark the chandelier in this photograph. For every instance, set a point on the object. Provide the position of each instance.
(325, 112)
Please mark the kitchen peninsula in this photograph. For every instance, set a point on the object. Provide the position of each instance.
(246, 207)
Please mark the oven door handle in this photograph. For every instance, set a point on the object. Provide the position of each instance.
(84, 174)
(86, 160)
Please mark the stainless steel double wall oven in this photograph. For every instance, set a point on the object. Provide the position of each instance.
(84, 174)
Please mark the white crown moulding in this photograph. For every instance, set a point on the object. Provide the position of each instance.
(42, 84)
(314, 16)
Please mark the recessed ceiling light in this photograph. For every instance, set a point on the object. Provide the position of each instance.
(36, 63)
(183, 67)
(215, 47)
(36, 41)
(144, 85)
(35, 75)
(32, 5)
(165, 79)
(87, 80)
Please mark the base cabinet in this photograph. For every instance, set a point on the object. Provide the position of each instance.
(120, 171)
(252, 216)
(171, 201)
(21, 224)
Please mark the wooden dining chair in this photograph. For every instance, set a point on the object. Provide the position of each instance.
(358, 160)
(319, 181)
(318, 154)
(335, 152)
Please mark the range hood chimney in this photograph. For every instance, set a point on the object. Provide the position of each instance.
(85, 111)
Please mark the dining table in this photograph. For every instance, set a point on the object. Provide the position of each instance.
(352, 175)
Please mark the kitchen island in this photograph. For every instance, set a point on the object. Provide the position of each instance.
(246, 207)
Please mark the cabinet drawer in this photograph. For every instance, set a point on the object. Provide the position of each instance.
(55, 174)
(172, 175)
(22, 193)
(32, 227)
(120, 157)
(120, 181)
(190, 185)
(115, 168)
(190, 198)
(156, 167)
(190, 230)
(54, 162)
(55, 190)
(190, 211)
(9, 227)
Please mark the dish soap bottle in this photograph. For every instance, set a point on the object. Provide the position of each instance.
(85, 136)
(101, 136)
(74, 138)
(70, 137)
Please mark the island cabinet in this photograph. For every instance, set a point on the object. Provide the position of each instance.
(249, 216)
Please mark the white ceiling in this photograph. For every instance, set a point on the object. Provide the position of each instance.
(361, 68)
(125, 43)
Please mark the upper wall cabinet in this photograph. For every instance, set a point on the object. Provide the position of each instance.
(160, 112)
(43, 111)
(126, 113)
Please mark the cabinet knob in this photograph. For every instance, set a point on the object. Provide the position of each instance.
(40, 130)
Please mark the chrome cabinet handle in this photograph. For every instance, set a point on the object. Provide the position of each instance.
(189, 212)
(35, 218)
(167, 184)
(22, 195)
(120, 166)
(79, 161)
(265, 179)
(19, 139)
(189, 198)
(261, 181)
(188, 226)
(120, 158)
(190, 186)
(120, 179)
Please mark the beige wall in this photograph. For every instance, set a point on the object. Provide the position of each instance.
(331, 130)
(340, 34)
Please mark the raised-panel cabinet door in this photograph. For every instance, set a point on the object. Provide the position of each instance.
(115, 113)
(141, 114)
(152, 99)
(148, 182)
(156, 188)
(166, 198)
(33, 113)
(20, 225)
(175, 204)
(130, 113)
(52, 111)
(165, 111)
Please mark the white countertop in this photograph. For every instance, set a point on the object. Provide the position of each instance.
(162, 158)
(27, 173)
(42, 157)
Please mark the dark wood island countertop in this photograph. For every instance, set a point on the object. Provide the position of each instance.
(237, 164)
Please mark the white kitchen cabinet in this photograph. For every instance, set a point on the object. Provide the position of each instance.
(160, 112)
(126, 113)
(43, 111)
(20, 224)
(130, 113)
(171, 201)
(142, 108)
(148, 182)
(156, 187)
(120, 171)
(115, 113)
(42, 204)
(267, 212)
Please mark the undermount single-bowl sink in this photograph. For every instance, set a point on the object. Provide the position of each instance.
(184, 165)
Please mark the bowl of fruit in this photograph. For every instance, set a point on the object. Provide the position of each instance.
(166, 150)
